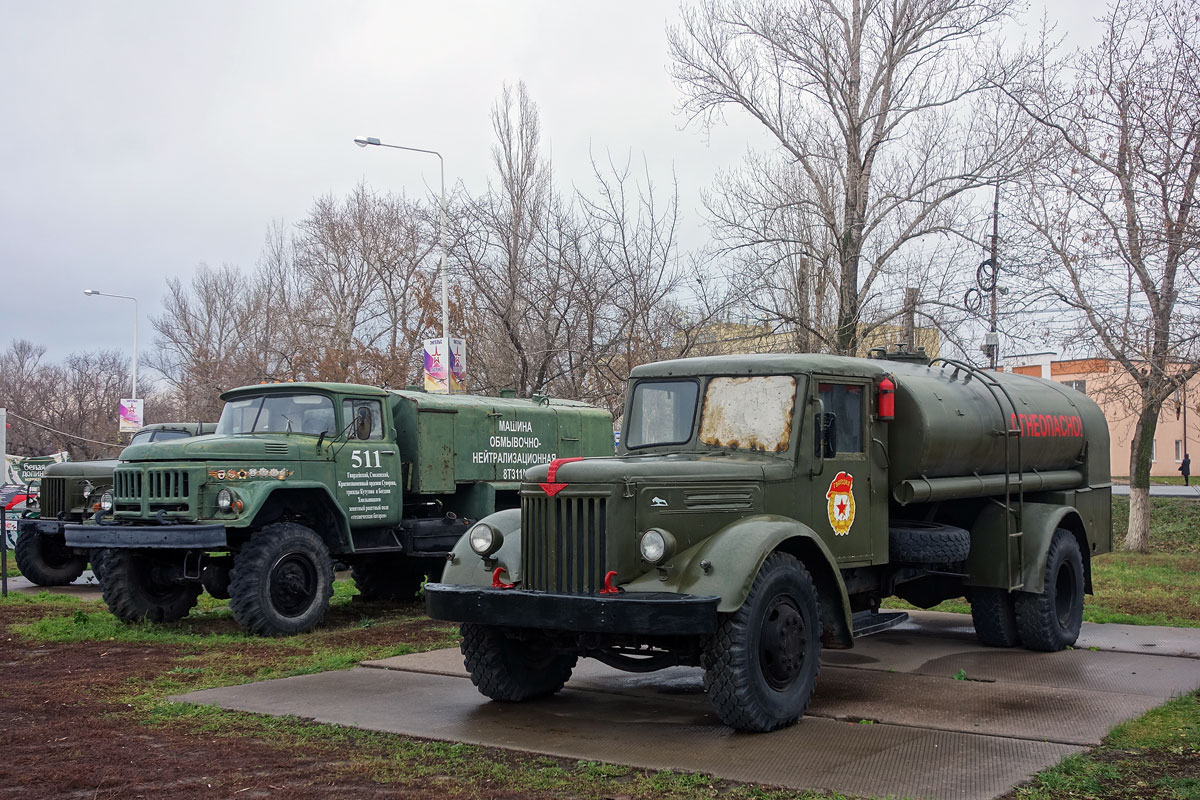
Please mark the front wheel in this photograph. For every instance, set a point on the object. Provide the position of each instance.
(1051, 620)
(760, 668)
(511, 669)
(140, 585)
(281, 581)
(46, 560)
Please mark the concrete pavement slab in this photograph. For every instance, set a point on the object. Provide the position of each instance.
(86, 587)
(930, 735)
(674, 732)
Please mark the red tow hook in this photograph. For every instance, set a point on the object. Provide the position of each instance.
(497, 583)
(609, 586)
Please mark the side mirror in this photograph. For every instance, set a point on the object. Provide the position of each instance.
(362, 423)
(826, 434)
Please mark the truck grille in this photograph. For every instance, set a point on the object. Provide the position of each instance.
(52, 497)
(165, 489)
(563, 543)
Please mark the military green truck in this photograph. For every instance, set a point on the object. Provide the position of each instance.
(761, 507)
(297, 474)
(65, 494)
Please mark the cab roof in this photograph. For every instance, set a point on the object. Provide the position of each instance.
(765, 364)
(291, 387)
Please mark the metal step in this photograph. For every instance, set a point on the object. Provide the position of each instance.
(868, 622)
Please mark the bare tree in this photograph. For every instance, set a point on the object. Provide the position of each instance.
(1114, 209)
(872, 106)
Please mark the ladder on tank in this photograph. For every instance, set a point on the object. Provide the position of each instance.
(1014, 518)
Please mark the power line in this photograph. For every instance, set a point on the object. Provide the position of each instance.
(64, 433)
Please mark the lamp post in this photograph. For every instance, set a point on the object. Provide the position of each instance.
(363, 141)
(93, 292)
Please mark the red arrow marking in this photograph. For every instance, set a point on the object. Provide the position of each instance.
(550, 487)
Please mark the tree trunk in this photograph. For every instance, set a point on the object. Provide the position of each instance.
(1137, 538)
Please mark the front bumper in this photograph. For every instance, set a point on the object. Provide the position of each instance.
(173, 537)
(634, 613)
(49, 527)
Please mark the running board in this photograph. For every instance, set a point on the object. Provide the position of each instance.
(868, 622)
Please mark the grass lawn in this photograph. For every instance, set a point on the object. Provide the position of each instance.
(1156, 756)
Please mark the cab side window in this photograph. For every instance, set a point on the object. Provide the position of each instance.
(845, 402)
(355, 412)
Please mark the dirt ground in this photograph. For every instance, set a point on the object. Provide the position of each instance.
(63, 735)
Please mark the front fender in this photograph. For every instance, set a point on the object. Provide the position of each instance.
(726, 564)
(466, 568)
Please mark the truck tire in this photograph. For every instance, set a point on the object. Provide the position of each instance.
(46, 560)
(511, 670)
(396, 578)
(1050, 620)
(995, 618)
(915, 542)
(138, 586)
(760, 668)
(281, 581)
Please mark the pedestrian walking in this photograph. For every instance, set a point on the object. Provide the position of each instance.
(1185, 468)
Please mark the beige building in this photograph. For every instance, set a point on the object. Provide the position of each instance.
(1106, 382)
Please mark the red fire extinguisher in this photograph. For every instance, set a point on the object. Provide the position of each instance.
(886, 402)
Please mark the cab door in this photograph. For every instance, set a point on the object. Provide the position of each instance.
(368, 467)
(841, 484)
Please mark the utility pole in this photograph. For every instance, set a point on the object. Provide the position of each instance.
(994, 337)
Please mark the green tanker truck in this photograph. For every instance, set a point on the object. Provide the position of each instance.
(761, 507)
(298, 474)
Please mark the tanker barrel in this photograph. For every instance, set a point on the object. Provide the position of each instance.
(950, 424)
(932, 490)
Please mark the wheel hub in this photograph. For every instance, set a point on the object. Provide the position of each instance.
(292, 585)
(1065, 594)
(782, 643)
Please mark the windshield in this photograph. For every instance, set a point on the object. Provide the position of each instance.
(752, 413)
(141, 437)
(661, 412)
(278, 413)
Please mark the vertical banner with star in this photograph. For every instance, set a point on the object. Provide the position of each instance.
(445, 370)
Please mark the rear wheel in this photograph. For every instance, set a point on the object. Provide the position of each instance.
(1051, 620)
(761, 666)
(512, 669)
(995, 618)
(281, 581)
(140, 585)
(46, 560)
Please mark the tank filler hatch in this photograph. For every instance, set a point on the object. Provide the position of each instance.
(899, 352)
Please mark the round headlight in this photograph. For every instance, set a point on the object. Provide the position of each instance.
(224, 499)
(656, 545)
(485, 539)
(87, 489)
(106, 501)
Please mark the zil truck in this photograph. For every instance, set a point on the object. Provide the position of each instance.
(762, 507)
(65, 494)
(297, 475)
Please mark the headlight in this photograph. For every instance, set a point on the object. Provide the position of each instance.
(656, 545)
(485, 539)
(224, 499)
(106, 501)
(88, 488)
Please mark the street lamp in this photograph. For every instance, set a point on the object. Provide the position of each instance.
(92, 292)
(363, 141)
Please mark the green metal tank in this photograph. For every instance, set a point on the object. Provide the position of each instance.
(954, 434)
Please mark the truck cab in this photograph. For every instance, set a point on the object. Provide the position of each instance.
(761, 507)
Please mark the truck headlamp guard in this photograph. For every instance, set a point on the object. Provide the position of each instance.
(485, 540)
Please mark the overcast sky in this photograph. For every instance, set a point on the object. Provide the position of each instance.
(143, 138)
